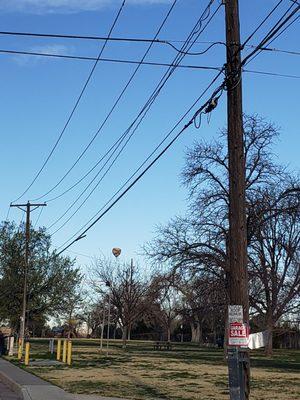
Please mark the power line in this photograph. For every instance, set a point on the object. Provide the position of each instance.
(116, 102)
(76, 104)
(272, 74)
(82, 234)
(218, 91)
(186, 47)
(89, 58)
(275, 30)
(143, 112)
(112, 60)
(111, 39)
(112, 163)
(38, 217)
(261, 24)
(273, 39)
(277, 50)
(122, 61)
(156, 91)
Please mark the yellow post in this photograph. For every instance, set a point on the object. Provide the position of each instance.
(27, 350)
(69, 359)
(20, 352)
(58, 354)
(64, 357)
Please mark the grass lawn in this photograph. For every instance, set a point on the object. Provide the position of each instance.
(185, 373)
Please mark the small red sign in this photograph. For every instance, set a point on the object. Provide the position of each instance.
(238, 334)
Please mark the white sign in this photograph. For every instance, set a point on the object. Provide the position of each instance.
(235, 313)
(257, 340)
(238, 334)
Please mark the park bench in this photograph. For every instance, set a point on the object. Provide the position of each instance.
(162, 346)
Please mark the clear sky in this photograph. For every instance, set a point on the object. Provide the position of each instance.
(37, 95)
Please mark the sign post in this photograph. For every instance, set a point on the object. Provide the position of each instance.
(238, 338)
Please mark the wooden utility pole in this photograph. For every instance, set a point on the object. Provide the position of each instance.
(28, 210)
(237, 272)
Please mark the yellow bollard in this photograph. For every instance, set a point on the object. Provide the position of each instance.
(27, 350)
(69, 358)
(58, 354)
(20, 352)
(64, 357)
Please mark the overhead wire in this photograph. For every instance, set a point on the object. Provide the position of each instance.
(76, 104)
(116, 102)
(154, 93)
(163, 80)
(270, 35)
(83, 233)
(276, 36)
(111, 39)
(266, 73)
(141, 115)
(111, 60)
(90, 224)
(38, 217)
(261, 24)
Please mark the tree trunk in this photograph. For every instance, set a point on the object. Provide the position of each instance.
(196, 332)
(129, 333)
(169, 334)
(269, 346)
(124, 336)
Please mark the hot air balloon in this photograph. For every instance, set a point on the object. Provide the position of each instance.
(116, 251)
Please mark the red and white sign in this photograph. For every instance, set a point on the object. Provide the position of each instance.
(238, 334)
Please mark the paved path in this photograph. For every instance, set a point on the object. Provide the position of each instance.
(7, 394)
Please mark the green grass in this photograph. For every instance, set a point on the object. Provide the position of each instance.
(187, 372)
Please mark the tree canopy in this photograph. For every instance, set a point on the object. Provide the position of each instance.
(51, 278)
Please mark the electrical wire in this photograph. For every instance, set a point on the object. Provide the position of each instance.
(278, 50)
(83, 234)
(152, 97)
(114, 105)
(275, 30)
(38, 218)
(122, 61)
(76, 104)
(146, 108)
(197, 125)
(272, 74)
(261, 24)
(162, 152)
(276, 36)
(112, 60)
(162, 82)
(110, 39)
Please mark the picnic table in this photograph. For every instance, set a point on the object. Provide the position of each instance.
(162, 345)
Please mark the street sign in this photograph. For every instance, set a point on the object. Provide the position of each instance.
(235, 313)
(238, 334)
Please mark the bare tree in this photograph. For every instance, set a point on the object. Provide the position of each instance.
(166, 304)
(274, 263)
(198, 242)
(129, 291)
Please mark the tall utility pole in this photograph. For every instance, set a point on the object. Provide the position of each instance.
(28, 210)
(237, 277)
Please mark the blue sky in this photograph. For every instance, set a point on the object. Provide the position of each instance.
(37, 95)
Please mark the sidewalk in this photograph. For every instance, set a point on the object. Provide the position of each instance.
(30, 387)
